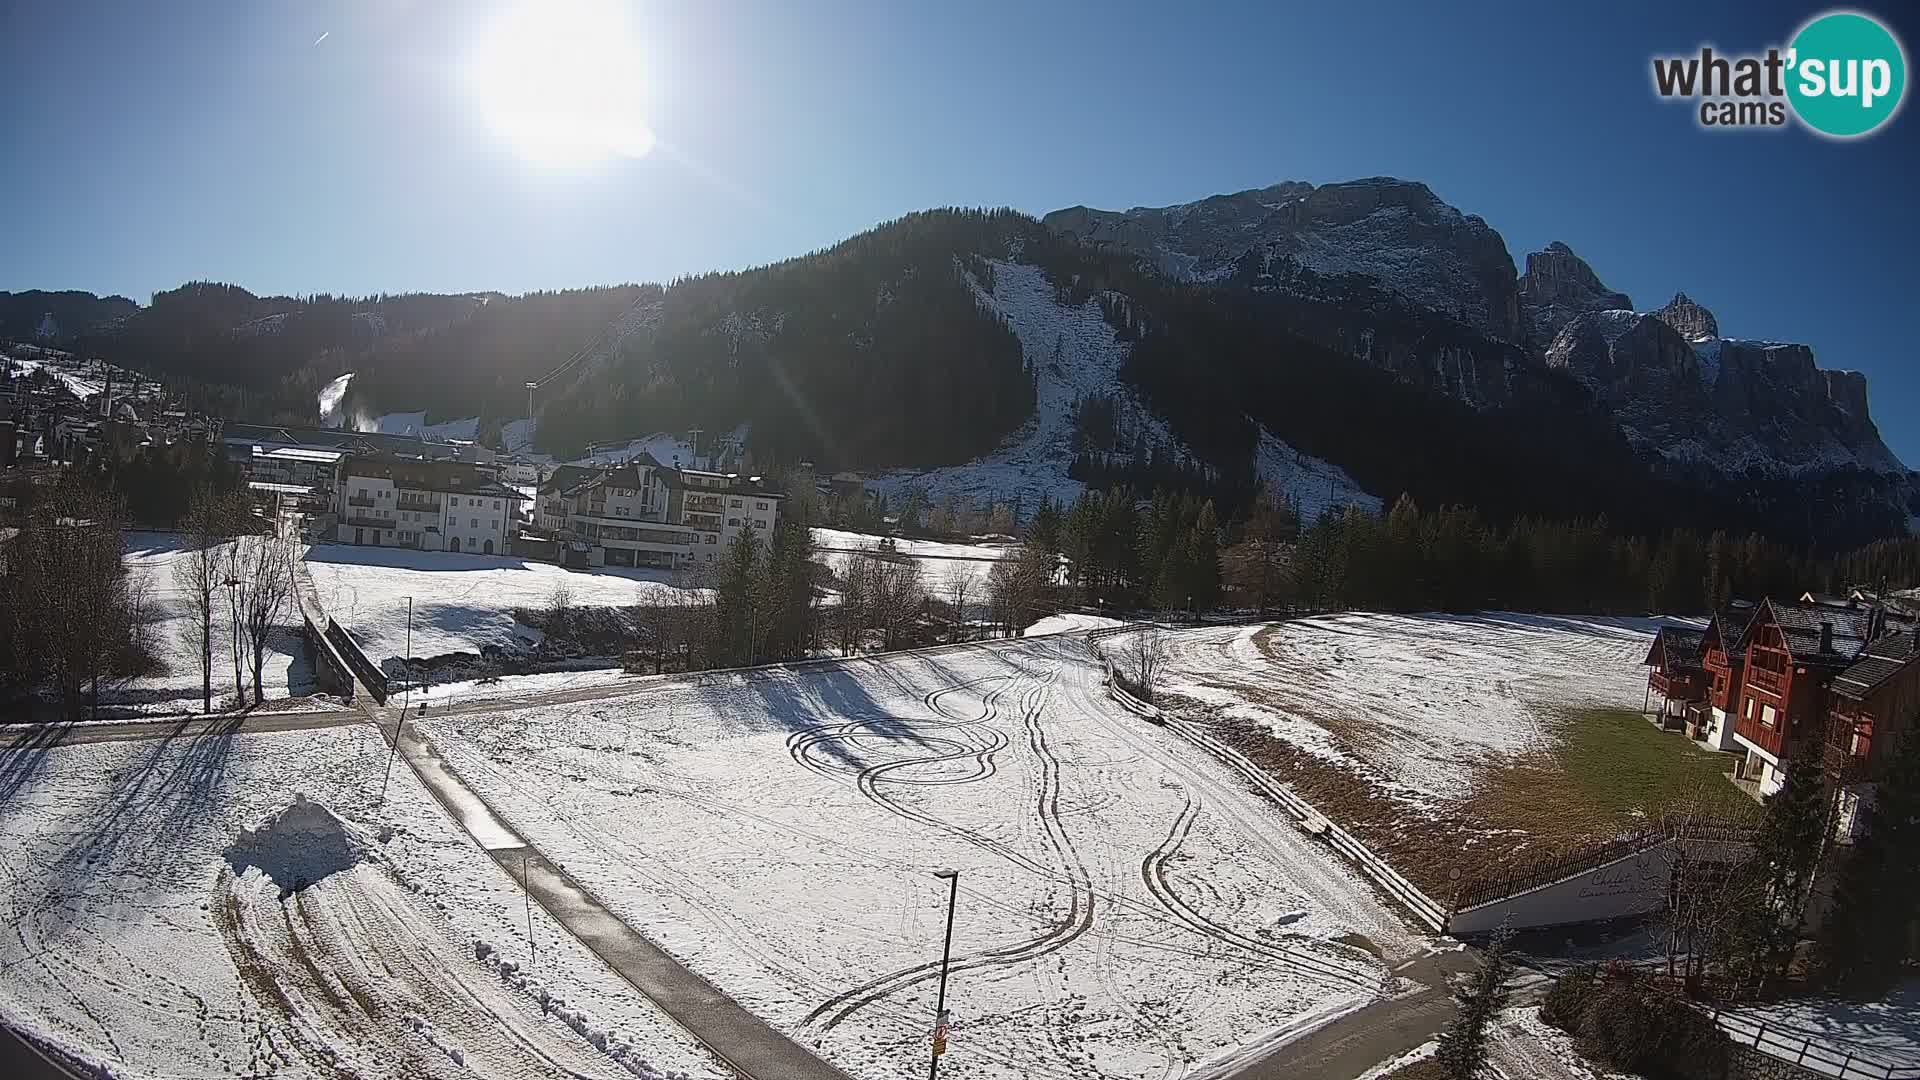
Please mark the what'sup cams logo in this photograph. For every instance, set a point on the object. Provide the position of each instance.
(1843, 76)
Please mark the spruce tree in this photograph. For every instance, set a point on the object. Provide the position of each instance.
(1865, 938)
(1787, 850)
(1463, 1045)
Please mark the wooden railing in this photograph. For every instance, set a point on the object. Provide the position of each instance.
(1827, 1059)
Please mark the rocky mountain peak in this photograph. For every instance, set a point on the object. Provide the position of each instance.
(1397, 232)
(1694, 322)
(1557, 286)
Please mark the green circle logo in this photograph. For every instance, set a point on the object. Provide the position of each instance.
(1846, 74)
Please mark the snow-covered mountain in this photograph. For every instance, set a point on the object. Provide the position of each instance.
(1384, 271)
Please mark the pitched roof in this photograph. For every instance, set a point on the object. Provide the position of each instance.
(1676, 647)
(430, 474)
(566, 476)
(1729, 628)
(1851, 629)
(1881, 660)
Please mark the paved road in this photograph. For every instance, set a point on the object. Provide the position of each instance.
(21, 1060)
(47, 736)
(1380, 1032)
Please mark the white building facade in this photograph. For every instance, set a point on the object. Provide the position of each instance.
(423, 505)
(648, 515)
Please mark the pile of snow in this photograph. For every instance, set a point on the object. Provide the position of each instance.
(300, 845)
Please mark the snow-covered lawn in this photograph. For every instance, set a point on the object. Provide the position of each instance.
(151, 558)
(461, 603)
(1126, 908)
(941, 564)
(1418, 702)
(147, 934)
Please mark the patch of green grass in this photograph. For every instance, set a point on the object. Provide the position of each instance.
(1618, 763)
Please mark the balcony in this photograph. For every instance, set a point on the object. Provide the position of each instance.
(357, 500)
(1677, 687)
(1770, 682)
(709, 522)
(418, 505)
(367, 522)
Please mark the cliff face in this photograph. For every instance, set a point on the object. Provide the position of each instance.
(1729, 405)
(1396, 232)
(1557, 286)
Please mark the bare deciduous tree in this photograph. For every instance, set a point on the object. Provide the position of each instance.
(70, 596)
(959, 586)
(263, 583)
(200, 574)
(1142, 656)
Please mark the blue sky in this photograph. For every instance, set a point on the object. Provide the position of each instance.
(149, 144)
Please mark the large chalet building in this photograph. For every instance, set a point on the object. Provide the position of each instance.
(1876, 702)
(1835, 680)
(1795, 651)
(425, 505)
(646, 514)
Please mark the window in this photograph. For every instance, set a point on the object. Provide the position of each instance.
(473, 523)
(733, 523)
(1768, 715)
(494, 524)
(496, 504)
(735, 502)
(759, 523)
(710, 539)
(760, 505)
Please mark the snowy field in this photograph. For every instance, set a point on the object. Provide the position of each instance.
(941, 564)
(461, 603)
(151, 558)
(1418, 703)
(1126, 908)
(150, 936)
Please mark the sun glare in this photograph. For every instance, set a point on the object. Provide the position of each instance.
(562, 82)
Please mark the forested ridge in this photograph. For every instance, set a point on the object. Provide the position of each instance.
(878, 353)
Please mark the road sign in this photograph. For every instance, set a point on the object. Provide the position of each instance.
(940, 1034)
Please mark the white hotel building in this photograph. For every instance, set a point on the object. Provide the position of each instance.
(646, 514)
(425, 505)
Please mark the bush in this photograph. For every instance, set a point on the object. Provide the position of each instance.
(1620, 1019)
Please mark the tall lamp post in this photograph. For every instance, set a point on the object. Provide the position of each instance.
(393, 750)
(952, 878)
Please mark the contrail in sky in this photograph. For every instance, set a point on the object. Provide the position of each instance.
(322, 37)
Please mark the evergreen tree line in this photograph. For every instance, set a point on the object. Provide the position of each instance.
(1171, 552)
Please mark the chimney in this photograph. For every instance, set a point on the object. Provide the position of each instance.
(1826, 637)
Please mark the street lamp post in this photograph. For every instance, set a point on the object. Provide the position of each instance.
(393, 750)
(952, 878)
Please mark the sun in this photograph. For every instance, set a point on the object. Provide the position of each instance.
(562, 82)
